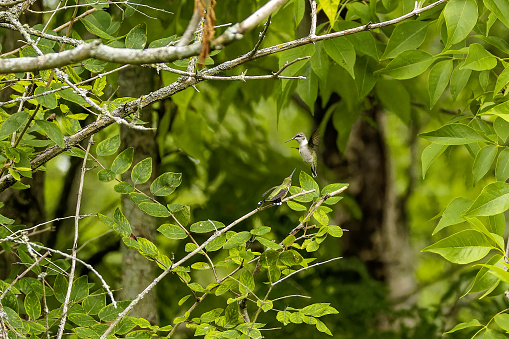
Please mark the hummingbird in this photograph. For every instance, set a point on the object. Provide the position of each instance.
(278, 192)
(307, 148)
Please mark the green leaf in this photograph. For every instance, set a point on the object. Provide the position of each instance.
(502, 320)
(500, 8)
(364, 75)
(269, 244)
(261, 230)
(429, 155)
(201, 266)
(110, 313)
(283, 317)
(312, 246)
(6, 221)
(502, 81)
(308, 183)
(52, 131)
(172, 231)
(483, 279)
(147, 247)
(452, 214)
(319, 310)
(123, 188)
(479, 59)
(166, 183)
(94, 65)
(321, 217)
(122, 225)
(463, 247)
(408, 35)
(453, 134)
(494, 199)
(296, 206)
(137, 37)
(131, 243)
(99, 23)
(460, 18)
(320, 326)
(342, 52)
(32, 305)
(206, 226)
(13, 318)
(106, 175)
(308, 88)
(183, 299)
(154, 209)
(330, 8)
(108, 146)
(483, 161)
(501, 127)
(290, 258)
(438, 80)
(502, 168)
(237, 239)
(47, 100)
(498, 272)
(212, 315)
(123, 161)
(80, 289)
(60, 287)
(99, 85)
(459, 79)
(408, 64)
(216, 244)
(138, 198)
(394, 97)
(246, 283)
(94, 303)
(12, 123)
(493, 334)
(335, 231)
(461, 326)
(142, 171)
(330, 189)
(82, 319)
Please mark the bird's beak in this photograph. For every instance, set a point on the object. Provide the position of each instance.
(289, 140)
(291, 175)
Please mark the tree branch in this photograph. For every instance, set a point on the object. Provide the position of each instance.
(181, 84)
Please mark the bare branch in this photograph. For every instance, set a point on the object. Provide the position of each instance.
(99, 51)
(312, 30)
(304, 268)
(67, 300)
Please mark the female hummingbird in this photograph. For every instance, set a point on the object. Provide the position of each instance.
(278, 192)
(307, 148)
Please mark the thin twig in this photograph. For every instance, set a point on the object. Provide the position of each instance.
(67, 300)
(312, 30)
(305, 268)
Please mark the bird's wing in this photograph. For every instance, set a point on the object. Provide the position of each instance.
(270, 189)
(281, 194)
(315, 139)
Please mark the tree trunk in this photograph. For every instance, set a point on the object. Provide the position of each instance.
(138, 272)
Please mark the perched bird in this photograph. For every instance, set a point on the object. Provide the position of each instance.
(308, 148)
(278, 192)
